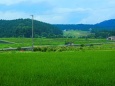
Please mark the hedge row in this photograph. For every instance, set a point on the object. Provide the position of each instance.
(58, 48)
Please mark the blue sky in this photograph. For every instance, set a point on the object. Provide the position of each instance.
(59, 11)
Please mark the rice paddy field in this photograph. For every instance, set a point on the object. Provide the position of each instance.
(80, 68)
(25, 42)
(75, 66)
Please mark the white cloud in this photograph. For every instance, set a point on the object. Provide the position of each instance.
(112, 2)
(60, 15)
(59, 11)
(53, 19)
(69, 10)
(9, 15)
(37, 1)
(97, 16)
(11, 2)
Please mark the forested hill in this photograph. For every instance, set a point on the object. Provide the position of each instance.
(23, 28)
(105, 25)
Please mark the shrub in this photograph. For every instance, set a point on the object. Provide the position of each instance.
(91, 45)
(82, 45)
(19, 48)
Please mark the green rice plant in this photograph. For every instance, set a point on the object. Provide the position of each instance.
(89, 68)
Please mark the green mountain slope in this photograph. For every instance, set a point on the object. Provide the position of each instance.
(22, 27)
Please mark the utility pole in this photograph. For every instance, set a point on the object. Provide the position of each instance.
(32, 33)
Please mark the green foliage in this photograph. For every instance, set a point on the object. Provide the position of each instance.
(51, 48)
(18, 48)
(91, 45)
(89, 68)
(22, 28)
(42, 49)
(82, 45)
(103, 33)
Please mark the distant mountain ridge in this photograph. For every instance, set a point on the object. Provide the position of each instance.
(106, 22)
(106, 25)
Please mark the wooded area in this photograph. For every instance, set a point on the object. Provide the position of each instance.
(23, 27)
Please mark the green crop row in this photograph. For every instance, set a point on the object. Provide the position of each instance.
(89, 68)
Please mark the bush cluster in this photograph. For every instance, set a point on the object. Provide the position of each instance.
(58, 48)
(55, 48)
(44, 49)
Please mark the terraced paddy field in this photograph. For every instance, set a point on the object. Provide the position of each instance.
(79, 68)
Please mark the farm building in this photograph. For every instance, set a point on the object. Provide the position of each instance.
(111, 38)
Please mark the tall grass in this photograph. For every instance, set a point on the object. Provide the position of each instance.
(82, 68)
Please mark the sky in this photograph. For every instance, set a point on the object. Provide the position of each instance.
(59, 11)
